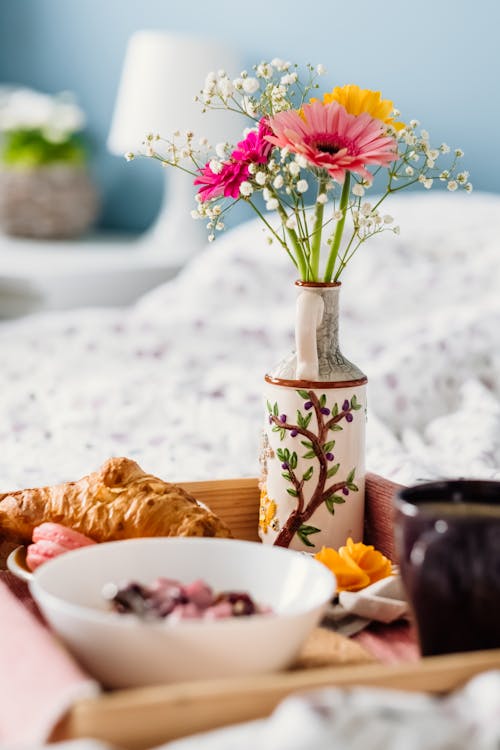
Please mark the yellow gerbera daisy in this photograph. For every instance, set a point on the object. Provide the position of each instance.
(356, 101)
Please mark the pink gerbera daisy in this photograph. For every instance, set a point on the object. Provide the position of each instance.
(330, 138)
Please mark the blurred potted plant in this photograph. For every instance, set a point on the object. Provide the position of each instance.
(45, 189)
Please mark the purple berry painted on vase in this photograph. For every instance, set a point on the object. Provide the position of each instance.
(325, 410)
(284, 465)
(308, 405)
(345, 405)
(293, 433)
(349, 417)
(329, 456)
(283, 418)
(345, 490)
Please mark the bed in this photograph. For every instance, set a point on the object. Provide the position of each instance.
(175, 380)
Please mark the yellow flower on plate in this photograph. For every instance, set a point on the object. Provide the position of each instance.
(356, 100)
(356, 565)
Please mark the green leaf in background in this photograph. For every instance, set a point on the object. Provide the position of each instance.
(328, 446)
(322, 400)
(331, 472)
(269, 407)
(306, 443)
(335, 410)
(281, 454)
(30, 148)
(293, 460)
(336, 428)
(351, 475)
(353, 487)
(276, 411)
(304, 532)
(291, 492)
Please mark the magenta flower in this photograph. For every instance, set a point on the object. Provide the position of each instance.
(226, 182)
(255, 148)
(330, 138)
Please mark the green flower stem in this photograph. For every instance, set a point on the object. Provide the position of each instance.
(347, 257)
(303, 240)
(343, 261)
(159, 158)
(299, 253)
(274, 233)
(301, 209)
(337, 237)
(318, 225)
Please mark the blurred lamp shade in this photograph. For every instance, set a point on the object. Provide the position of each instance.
(162, 74)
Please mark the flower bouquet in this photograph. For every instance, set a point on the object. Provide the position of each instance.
(304, 166)
(295, 144)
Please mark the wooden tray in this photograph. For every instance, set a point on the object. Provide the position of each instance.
(140, 718)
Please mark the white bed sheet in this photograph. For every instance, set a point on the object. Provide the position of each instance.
(175, 381)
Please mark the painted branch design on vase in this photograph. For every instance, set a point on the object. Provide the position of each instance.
(318, 448)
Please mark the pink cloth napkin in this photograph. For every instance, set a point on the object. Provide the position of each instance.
(39, 680)
(390, 644)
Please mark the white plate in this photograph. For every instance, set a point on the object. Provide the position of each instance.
(16, 563)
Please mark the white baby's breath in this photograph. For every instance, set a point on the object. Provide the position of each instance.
(246, 188)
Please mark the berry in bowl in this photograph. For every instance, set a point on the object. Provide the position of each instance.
(166, 597)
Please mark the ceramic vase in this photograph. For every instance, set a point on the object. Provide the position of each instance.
(313, 452)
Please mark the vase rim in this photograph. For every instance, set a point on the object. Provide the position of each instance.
(318, 284)
(316, 384)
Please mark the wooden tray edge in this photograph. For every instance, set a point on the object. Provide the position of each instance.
(141, 718)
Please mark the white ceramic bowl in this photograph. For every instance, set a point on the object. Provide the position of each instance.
(124, 651)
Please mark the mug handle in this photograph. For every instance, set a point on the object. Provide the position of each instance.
(309, 314)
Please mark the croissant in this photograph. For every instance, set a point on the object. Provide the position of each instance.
(119, 501)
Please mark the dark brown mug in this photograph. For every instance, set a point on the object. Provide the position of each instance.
(448, 540)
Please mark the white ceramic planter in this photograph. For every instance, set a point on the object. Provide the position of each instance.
(313, 457)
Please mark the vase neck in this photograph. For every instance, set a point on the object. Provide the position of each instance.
(317, 335)
(317, 356)
(328, 330)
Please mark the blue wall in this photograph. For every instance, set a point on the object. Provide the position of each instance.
(437, 59)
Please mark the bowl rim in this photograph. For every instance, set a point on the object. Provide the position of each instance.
(88, 613)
